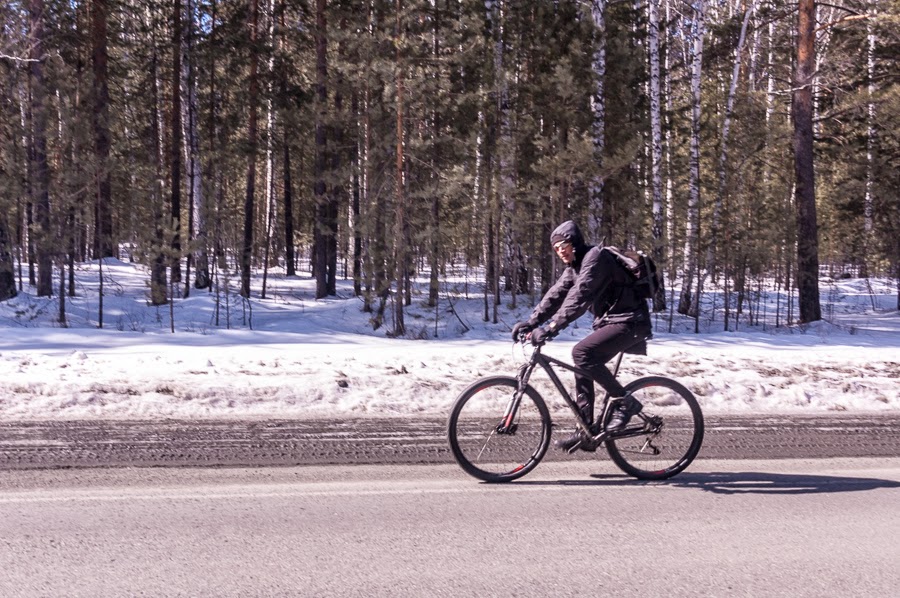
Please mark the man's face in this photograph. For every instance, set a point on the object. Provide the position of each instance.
(565, 251)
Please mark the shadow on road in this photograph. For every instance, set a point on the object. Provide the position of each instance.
(745, 482)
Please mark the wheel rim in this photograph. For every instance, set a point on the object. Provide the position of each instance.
(484, 451)
(666, 434)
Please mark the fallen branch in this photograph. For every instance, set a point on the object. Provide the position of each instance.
(453, 309)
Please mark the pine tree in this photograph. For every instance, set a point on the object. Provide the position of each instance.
(802, 114)
(7, 274)
(41, 180)
(252, 148)
(103, 231)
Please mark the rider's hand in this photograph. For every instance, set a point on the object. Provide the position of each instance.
(521, 328)
(541, 336)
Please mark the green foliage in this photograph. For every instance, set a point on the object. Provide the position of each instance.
(497, 123)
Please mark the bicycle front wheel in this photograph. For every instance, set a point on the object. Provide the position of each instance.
(663, 439)
(489, 450)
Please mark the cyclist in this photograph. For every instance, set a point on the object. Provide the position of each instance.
(593, 280)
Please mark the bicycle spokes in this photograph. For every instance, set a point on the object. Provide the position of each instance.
(665, 437)
(499, 451)
(650, 446)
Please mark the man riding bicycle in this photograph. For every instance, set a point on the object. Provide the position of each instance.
(592, 281)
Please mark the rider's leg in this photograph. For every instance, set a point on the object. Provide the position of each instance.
(592, 353)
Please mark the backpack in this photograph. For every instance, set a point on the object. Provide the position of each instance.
(641, 270)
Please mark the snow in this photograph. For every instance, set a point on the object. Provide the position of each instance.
(304, 358)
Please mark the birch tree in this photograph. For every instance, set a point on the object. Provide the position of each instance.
(656, 192)
(198, 210)
(269, 192)
(434, 245)
(478, 126)
(689, 302)
(598, 109)
(710, 268)
(869, 202)
(175, 148)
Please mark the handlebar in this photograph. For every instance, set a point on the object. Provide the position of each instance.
(524, 338)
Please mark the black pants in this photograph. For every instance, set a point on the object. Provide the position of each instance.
(592, 353)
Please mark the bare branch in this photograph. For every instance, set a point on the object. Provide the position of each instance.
(841, 20)
(835, 6)
(18, 58)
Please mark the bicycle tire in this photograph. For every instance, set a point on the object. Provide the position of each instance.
(479, 448)
(658, 452)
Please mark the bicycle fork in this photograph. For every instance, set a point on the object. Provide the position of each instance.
(507, 425)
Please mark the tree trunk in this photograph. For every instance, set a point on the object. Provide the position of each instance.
(658, 249)
(213, 167)
(103, 229)
(479, 198)
(288, 203)
(400, 256)
(435, 228)
(503, 154)
(322, 224)
(868, 203)
(672, 243)
(61, 316)
(355, 214)
(252, 142)
(44, 238)
(688, 303)
(158, 283)
(175, 149)
(337, 189)
(491, 269)
(269, 194)
(711, 249)
(598, 127)
(197, 228)
(290, 260)
(805, 192)
(7, 274)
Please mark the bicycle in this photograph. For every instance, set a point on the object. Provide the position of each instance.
(659, 442)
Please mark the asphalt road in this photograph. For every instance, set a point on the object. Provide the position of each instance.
(786, 527)
(105, 443)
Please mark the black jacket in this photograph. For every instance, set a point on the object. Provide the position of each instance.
(594, 282)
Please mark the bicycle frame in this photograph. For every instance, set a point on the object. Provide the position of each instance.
(501, 450)
(546, 362)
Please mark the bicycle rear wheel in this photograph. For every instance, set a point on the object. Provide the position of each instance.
(663, 439)
(484, 448)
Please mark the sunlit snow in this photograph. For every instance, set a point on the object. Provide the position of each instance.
(304, 358)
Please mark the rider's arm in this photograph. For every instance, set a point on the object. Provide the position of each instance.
(593, 280)
(553, 299)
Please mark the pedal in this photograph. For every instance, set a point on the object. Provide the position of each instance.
(585, 445)
(589, 446)
(574, 447)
